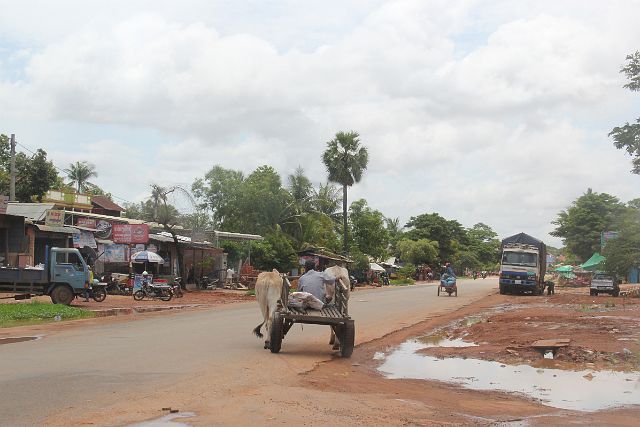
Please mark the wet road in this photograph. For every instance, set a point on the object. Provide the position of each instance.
(93, 366)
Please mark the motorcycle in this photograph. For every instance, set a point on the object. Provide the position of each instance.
(176, 287)
(353, 282)
(113, 287)
(96, 292)
(151, 291)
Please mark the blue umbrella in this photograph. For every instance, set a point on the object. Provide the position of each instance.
(146, 256)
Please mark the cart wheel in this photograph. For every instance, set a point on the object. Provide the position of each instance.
(438, 290)
(277, 332)
(347, 340)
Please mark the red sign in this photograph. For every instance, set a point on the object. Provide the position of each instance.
(86, 222)
(130, 233)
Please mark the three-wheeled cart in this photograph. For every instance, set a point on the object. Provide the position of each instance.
(336, 315)
(448, 284)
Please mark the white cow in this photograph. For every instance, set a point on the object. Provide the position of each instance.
(268, 293)
(342, 279)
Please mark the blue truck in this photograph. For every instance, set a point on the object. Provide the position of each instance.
(63, 276)
(523, 265)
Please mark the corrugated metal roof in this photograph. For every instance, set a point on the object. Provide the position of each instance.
(160, 238)
(54, 229)
(35, 211)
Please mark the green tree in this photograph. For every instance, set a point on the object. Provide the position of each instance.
(448, 233)
(580, 225)
(326, 199)
(345, 160)
(35, 175)
(368, 229)
(623, 252)
(219, 191)
(420, 251)
(483, 244)
(275, 251)
(79, 174)
(627, 137)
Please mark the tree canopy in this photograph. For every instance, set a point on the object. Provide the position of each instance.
(580, 224)
(627, 137)
(345, 160)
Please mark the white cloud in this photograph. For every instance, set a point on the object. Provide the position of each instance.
(506, 127)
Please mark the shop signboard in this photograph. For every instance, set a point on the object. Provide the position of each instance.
(130, 233)
(115, 253)
(86, 222)
(85, 238)
(605, 236)
(54, 218)
(104, 229)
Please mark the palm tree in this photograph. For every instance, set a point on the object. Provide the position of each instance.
(345, 161)
(80, 173)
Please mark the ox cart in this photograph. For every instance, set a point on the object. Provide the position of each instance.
(336, 315)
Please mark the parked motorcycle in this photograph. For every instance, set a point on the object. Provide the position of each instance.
(96, 292)
(176, 287)
(113, 287)
(151, 291)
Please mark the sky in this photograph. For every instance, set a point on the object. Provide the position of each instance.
(483, 111)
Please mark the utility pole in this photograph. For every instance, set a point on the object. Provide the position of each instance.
(12, 185)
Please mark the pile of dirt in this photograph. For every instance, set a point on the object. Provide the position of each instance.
(602, 331)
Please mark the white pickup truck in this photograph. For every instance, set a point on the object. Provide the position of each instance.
(604, 284)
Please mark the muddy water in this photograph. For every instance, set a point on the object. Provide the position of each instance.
(576, 390)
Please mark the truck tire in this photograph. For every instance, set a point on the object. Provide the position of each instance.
(502, 291)
(277, 333)
(99, 295)
(591, 292)
(616, 293)
(347, 339)
(62, 294)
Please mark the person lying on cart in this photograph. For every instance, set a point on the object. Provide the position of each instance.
(315, 282)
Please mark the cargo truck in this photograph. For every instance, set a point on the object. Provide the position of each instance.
(62, 276)
(523, 265)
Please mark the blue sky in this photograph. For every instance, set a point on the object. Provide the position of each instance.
(467, 107)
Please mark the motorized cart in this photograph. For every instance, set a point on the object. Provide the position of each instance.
(336, 315)
(448, 284)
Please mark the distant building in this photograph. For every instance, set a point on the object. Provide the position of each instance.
(103, 206)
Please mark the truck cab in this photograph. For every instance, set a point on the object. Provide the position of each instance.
(68, 274)
(520, 269)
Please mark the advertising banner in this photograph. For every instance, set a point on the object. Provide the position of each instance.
(130, 233)
(137, 281)
(54, 217)
(85, 238)
(115, 253)
(86, 222)
(104, 229)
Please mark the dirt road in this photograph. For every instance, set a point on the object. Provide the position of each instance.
(117, 372)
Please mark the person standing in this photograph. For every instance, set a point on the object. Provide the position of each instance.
(87, 285)
(229, 277)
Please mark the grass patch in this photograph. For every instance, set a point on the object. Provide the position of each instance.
(402, 282)
(38, 312)
(251, 293)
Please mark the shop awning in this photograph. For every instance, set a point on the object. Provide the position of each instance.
(376, 267)
(564, 269)
(57, 229)
(594, 262)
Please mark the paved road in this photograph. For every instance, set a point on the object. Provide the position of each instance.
(87, 367)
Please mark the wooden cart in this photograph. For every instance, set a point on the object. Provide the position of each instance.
(335, 315)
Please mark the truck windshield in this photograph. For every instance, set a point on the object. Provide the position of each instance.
(520, 258)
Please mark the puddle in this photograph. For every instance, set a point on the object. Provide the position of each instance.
(166, 421)
(11, 340)
(574, 390)
(431, 341)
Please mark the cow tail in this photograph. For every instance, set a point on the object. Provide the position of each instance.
(257, 330)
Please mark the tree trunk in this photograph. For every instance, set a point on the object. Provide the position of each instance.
(180, 255)
(344, 221)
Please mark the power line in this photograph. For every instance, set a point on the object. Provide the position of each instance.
(64, 171)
